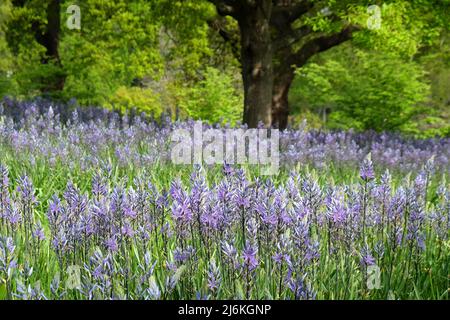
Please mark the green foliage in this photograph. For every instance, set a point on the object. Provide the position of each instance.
(367, 90)
(364, 90)
(436, 60)
(398, 32)
(26, 75)
(213, 99)
(118, 43)
(168, 48)
(139, 99)
(184, 37)
(5, 54)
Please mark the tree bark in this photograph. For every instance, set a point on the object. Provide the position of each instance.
(50, 40)
(280, 98)
(285, 71)
(48, 36)
(257, 68)
(267, 32)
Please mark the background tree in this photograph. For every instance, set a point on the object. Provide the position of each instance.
(5, 54)
(278, 36)
(206, 59)
(270, 33)
(39, 21)
(133, 54)
(368, 91)
(387, 79)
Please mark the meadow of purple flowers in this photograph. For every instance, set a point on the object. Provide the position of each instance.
(91, 137)
(90, 208)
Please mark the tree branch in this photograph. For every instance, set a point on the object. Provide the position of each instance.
(228, 37)
(321, 44)
(291, 36)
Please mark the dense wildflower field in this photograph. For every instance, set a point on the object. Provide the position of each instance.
(92, 208)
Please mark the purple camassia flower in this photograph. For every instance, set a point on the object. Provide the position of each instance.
(280, 205)
(99, 188)
(278, 258)
(4, 193)
(231, 255)
(13, 216)
(111, 244)
(118, 198)
(241, 195)
(102, 223)
(283, 247)
(440, 217)
(77, 205)
(181, 206)
(86, 224)
(397, 206)
(214, 277)
(268, 187)
(181, 256)
(268, 217)
(148, 267)
(228, 170)
(366, 171)
(312, 198)
(420, 185)
(129, 212)
(181, 211)
(300, 290)
(223, 190)
(337, 213)
(8, 261)
(101, 267)
(379, 249)
(416, 219)
(8, 245)
(224, 206)
(55, 211)
(153, 290)
(366, 257)
(382, 196)
(212, 217)
(7, 248)
(162, 200)
(249, 256)
(127, 231)
(4, 182)
(292, 186)
(143, 232)
(430, 165)
(26, 191)
(302, 241)
(38, 232)
(199, 188)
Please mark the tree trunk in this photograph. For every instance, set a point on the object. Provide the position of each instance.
(50, 40)
(280, 100)
(257, 69)
(53, 29)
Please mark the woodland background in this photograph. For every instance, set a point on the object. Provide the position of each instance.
(184, 58)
